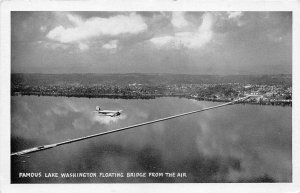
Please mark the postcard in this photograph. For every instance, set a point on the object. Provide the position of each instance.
(171, 95)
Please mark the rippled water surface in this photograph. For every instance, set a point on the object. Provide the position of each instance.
(237, 143)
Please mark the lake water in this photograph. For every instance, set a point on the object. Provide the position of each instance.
(236, 143)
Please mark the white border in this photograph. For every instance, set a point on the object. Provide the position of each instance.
(142, 5)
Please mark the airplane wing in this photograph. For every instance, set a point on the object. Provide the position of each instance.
(111, 114)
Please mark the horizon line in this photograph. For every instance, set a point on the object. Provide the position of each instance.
(156, 73)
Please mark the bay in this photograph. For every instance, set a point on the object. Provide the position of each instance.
(236, 143)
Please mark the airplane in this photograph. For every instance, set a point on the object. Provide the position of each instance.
(107, 112)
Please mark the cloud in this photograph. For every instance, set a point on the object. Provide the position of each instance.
(113, 44)
(234, 14)
(107, 120)
(63, 108)
(83, 46)
(97, 27)
(196, 39)
(43, 28)
(75, 19)
(53, 45)
(26, 107)
(178, 20)
(57, 110)
(82, 123)
(161, 41)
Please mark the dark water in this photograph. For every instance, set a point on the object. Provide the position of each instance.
(237, 143)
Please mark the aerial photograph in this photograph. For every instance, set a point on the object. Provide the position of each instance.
(151, 97)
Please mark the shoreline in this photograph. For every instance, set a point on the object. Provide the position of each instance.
(149, 96)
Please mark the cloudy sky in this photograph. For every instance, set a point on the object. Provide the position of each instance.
(152, 42)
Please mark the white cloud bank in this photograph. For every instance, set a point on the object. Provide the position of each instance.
(84, 30)
(178, 20)
(196, 39)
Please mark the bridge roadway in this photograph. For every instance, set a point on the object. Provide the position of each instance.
(45, 147)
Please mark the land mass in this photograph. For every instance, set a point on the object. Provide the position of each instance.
(269, 89)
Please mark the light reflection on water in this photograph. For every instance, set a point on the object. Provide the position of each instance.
(237, 143)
